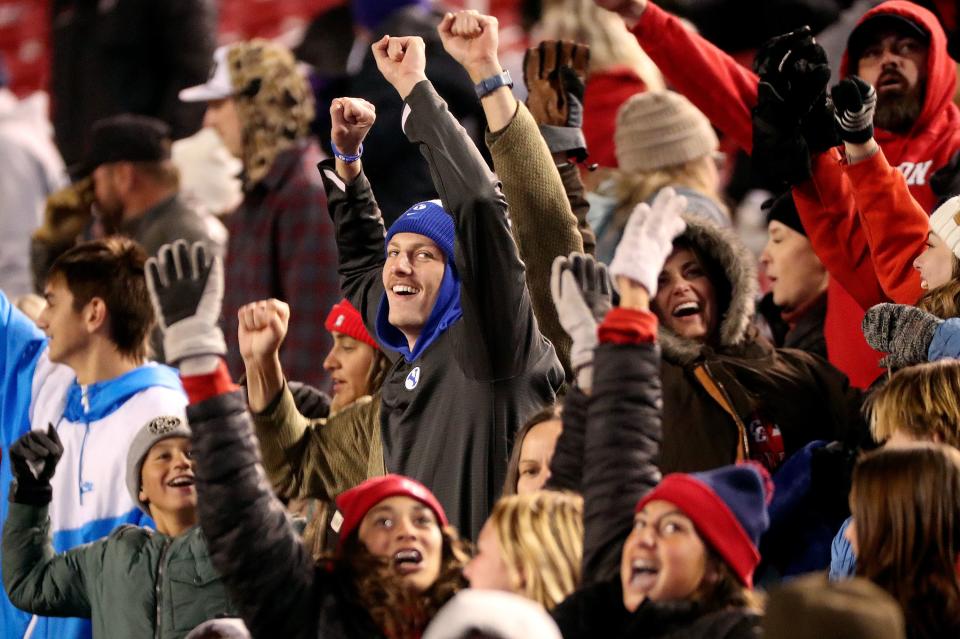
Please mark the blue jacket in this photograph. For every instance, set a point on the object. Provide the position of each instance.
(96, 423)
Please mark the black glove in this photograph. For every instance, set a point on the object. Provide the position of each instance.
(903, 331)
(793, 117)
(594, 282)
(33, 459)
(186, 290)
(854, 102)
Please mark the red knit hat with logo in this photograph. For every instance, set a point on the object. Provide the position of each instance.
(357, 502)
(344, 318)
(728, 506)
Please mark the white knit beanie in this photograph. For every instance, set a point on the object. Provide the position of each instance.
(660, 129)
(945, 222)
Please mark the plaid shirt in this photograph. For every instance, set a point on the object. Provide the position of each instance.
(282, 245)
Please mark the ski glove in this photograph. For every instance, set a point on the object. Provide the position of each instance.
(855, 102)
(581, 291)
(33, 460)
(648, 239)
(186, 289)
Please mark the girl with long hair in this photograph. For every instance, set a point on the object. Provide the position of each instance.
(906, 532)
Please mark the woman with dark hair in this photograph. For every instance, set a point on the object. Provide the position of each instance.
(906, 532)
(529, 466)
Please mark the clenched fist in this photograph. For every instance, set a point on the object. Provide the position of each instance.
(472, 40)
(351, 121)
(402, 61)
(262, 327)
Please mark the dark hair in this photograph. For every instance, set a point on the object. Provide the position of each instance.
(906, 505)
(112, 270)
(396, 609)
(547, 414)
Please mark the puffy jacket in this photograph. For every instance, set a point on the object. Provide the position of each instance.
(740, 397)
(615, 443)
(133, 583)
(270, 574)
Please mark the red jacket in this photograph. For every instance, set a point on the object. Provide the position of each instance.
(606, 92)
(726, 91)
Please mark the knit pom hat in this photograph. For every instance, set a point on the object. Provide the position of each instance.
(356, 502)
(154, 431)
(660, 129)
(344, 318)
(430, 219)
(728, 506)
(945, 222)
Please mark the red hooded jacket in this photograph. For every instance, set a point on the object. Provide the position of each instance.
(726, 91)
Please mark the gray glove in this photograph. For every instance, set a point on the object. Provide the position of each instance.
(581, 292)
(186, 289)
(903, 331)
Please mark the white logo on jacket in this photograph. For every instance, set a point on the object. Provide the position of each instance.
(413, 377)
(915, 173)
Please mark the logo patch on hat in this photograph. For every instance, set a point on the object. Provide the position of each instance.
(339, 321)
(164, 424)
(413, 377)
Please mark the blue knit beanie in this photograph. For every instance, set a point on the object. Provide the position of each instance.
(373, 13)
(429, 219)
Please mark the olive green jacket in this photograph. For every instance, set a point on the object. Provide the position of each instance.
(133, 583)
(542, 222)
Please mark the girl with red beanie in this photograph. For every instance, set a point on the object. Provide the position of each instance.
(670, 558)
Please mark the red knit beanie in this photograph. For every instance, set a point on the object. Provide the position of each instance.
(728, 506)
(357, 502)
(344, 318)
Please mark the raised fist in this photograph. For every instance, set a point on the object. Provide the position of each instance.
(351, 120)
(472, 39)
(402, 61)
(262, 327)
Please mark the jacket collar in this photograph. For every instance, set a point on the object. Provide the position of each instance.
(100, 399)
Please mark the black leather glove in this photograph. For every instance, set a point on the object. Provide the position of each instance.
(855, 102)
(33, 460)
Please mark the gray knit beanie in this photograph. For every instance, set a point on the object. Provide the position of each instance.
(660, 129)
(156, 430)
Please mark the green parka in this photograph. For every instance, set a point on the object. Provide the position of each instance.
(135, 582)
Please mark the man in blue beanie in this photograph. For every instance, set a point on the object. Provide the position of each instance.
(444, 292)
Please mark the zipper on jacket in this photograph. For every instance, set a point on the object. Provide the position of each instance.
(159, 590)
(84, 487)
(729, 407)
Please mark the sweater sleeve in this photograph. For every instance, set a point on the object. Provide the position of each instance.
(714, 82)
(576, 195)
(37, 579)
(829, 215)
(266, 568)
(493, 279)
(317, 458)
(946, 341)
(622, 439)
(542, 222)
(894, 224)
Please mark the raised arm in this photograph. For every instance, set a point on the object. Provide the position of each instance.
(492, 276)
(359, 228)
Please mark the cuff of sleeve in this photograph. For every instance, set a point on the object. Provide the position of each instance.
(417, 102)
(203, 387)
(275, 420)
(628, 326)
(872, 165)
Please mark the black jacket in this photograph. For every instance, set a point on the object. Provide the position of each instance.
(490, 369)
(620, 442)
(269, 573)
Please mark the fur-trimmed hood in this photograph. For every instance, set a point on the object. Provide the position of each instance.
(738, 267)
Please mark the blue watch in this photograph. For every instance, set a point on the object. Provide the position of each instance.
(494, 82)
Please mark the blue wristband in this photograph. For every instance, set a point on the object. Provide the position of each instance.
(343, 157)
